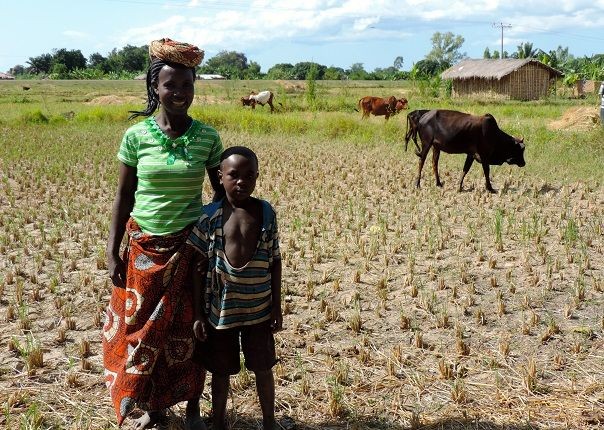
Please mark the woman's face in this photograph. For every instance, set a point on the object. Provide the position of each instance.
(175, 89)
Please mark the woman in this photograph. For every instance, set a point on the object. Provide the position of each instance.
(148, 340)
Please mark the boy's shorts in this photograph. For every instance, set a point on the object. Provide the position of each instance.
(219, 353)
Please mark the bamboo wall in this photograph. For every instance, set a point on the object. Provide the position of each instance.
(530, 82)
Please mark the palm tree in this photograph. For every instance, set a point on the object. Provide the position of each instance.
(525, 50)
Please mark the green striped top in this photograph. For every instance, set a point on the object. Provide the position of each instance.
(170, 173)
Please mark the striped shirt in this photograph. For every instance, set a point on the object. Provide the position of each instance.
(170, 173)
(236, 296)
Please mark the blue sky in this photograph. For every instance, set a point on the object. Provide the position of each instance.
(330, 32)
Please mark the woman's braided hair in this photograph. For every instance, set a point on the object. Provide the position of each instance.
(152, 78)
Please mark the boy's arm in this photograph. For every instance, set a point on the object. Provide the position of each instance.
(200, 270)
(276, 314)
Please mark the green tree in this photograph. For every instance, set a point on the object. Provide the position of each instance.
(357, 72)
(302, 69)
(398, 63)
(334, 73)
(252, 71)
(17, 70)
(446, 49)
(72, 59)
(59, 71)
(128, 59)
(135, 58)
(311, 86)
(388, 74)
(487, 53)
(40, 64)
(231, 64)
(97, 62)
(281, 71)
(525, 50)
(425, 69)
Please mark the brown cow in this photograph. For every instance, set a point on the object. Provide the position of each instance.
(477, 136)
(381, 106)
(413, 118)
(261, 98)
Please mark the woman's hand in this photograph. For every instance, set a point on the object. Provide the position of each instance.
(117, 270)
(200, 329)
(276, 319)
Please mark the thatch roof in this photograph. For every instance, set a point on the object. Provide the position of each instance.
(6, 76)
(492, 69)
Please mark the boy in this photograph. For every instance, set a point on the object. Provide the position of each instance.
(237, 292)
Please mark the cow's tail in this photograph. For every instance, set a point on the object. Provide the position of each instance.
(417, 148)
(359, 106)
(407, 133)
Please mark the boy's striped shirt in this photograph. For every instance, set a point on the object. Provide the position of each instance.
(236, 296)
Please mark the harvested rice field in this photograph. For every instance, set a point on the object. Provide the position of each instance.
(404, 308)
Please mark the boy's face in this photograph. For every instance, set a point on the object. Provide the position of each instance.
(238, 175)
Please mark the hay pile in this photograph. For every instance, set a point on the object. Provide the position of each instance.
(578, 118)
(114, 100)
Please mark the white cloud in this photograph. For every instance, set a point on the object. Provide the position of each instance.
(216, 25)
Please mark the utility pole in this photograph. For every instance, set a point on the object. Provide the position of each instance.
(502, 26)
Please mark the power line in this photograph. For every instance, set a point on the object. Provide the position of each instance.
(502, 26)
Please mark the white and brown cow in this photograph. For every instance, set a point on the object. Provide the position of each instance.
(262, 98)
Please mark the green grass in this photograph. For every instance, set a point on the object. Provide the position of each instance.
(59, 112)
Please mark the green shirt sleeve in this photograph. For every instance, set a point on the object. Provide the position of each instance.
(215, 153)
(127, 153)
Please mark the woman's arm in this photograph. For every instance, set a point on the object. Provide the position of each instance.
(122, 206)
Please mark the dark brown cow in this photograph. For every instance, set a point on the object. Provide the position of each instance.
(460, 133)
(413, 118)
(380, 106)
(261, 98)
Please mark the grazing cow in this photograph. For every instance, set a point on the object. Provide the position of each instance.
(477, 136)
(413, 118)
(261, 98)
(380, 106)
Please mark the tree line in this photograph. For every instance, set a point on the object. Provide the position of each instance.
(130, 61)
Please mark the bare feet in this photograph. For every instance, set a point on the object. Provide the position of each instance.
(149, 420)
(194, 423)
(193, 420)
(269, 424)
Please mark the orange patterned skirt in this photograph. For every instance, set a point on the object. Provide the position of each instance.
(148, 341)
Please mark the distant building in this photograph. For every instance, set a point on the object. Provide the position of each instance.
(518, 79)
(207, 77)
(6, 76)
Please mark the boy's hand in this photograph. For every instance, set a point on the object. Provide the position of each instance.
(200, 329)
(276, 319)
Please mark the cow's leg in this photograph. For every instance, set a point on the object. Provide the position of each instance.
(466, 169)
(486, 169)
(435, 155)
(270, 103)
(253, 105)
(422, 159)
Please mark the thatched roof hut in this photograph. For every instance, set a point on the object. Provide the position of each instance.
(520, 79)
(6, 76)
